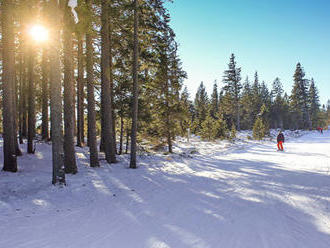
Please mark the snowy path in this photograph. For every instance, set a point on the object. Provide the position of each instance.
(248, 196)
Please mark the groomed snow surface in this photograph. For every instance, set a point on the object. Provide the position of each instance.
(208, 194)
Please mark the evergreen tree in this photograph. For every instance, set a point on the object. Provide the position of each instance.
(201, 103)
(8, 75)
(299, 99)
(135, 86)
(45, 95)
(256, 97)
(92, 142)
(247, 105)
(209, 128)
(259, 129)
(277, 108)
(56, 98)
(106, 103)
(69, 148)
(314, 104)
(214, 101)
(232, 88)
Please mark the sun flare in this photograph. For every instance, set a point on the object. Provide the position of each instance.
(38, 33)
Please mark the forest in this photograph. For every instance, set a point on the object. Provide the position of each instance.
(107, 75)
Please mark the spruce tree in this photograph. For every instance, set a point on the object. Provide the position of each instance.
(247, 105)
(201, 103)
(277, 109)
(56, 108)
(135, 92)
(232, 88)
(214, 101)
(69, 104)
(8, 75)
(314, 104)
(299, 99)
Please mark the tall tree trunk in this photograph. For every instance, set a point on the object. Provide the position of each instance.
(15, 101)
(8, 63)
(135, 89)
(56, 96)
(94, 161)
(106, 105)
(69, 149)
(24, 99)
(80, 94)
(45, 95)
(31, 102)
(21, 96)
(113, 140)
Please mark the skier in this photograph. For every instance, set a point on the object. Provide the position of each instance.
(280, 141)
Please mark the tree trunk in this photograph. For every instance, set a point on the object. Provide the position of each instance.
(55, 96)
(8, 75)
(127, 138)
(31, 102)
(69, 149)
(15, 101)
(94, 161)
(106, 105)
(24, 99)
(45, 96)
(80, 94)
(21, 96)
(121, 135)
(113, 116)
(135, 89)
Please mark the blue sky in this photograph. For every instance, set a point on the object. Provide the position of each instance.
(269, 36)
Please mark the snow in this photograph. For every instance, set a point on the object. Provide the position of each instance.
(241, 194)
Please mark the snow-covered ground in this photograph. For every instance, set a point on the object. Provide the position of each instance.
(209, 194)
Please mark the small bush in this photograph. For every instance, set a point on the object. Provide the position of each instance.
(259, 129)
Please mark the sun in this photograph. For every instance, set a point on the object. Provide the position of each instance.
(38, 33)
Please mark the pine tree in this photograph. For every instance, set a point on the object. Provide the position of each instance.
(8, 75)
(314, 104)
(299, 99)
(214, 101)
(209, 128)
(94, 161)
(135, 87)
(247, 105)
(277, 109)
(232, 88)
(106, 103)
(201, 103)
(31, 100)
(69, 149)
(56, 19)
(259, 129)
(45, 95)
(256, 97)
(186, 115)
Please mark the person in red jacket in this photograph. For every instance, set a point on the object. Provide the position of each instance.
(280, 141)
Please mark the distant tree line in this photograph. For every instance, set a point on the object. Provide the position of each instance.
(252, 105)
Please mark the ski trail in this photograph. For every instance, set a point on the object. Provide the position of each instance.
(244, 196)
